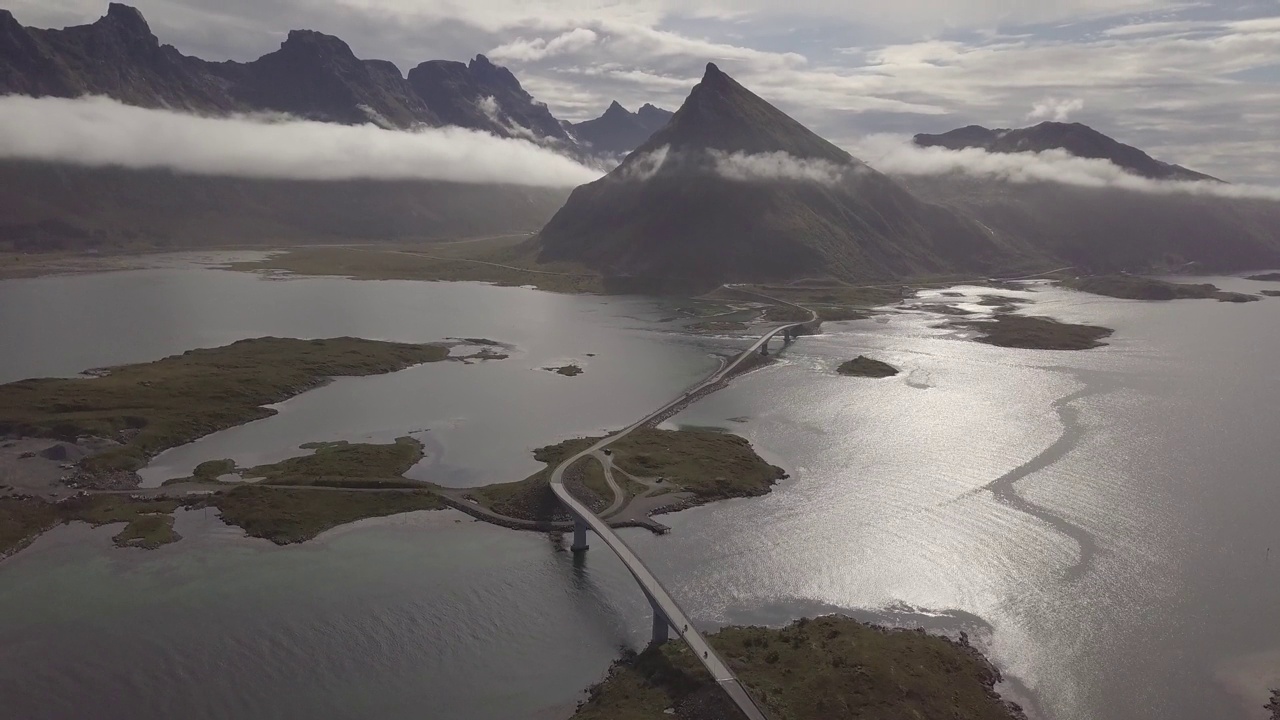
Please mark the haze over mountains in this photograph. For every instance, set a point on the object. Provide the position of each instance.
(729, 188)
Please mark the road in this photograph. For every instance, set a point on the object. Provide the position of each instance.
(707, 655)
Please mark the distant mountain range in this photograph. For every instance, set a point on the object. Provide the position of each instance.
(732, 189)
(1079, 140)
(727, 189)
(619, 131)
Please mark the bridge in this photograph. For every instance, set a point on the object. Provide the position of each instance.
(667, 613)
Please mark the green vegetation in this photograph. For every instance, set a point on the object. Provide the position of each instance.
(716, 327)
(838, 313)
(1131, 287)
(500, 264)
(154, 406)
(566, 370)
(822, 669)
(1268, 277)
(712, 465)
(285, 516)
(149, 523)
(211, 470)
(863, 366)
(944, 309)
(1037, 333)
(531, 498)
(343, 464)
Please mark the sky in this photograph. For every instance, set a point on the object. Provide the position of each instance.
(1196, 83)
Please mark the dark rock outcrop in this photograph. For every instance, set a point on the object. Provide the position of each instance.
(619, 131)
(484, 96)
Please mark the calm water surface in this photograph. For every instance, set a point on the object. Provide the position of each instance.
(1100, 520)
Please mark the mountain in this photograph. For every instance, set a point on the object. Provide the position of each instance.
(732, 189)
(312, 75)
(1075, 138)
(619, 131)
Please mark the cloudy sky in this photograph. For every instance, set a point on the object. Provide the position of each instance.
(1197, 83)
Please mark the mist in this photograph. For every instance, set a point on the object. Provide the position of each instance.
(776, 166)
(897, 155)
(98, 131)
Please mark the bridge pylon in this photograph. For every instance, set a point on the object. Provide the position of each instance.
(579, 536)
(661, 625)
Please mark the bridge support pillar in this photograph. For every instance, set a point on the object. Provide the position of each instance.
(579, 536)
(661, 628)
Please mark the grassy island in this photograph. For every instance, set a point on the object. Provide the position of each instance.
(570, 370)
(151, 407)
(344, 464)
(863, 366)
(1268, 277)
(822, 669)
(288, 515)
(707, 464)
(1131, 287)
(1037, 333)
(1271, 293)
(147, 523)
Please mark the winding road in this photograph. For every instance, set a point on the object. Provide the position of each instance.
(719, 669)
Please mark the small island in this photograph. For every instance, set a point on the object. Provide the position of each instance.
(570, 370)
(1268, 277)
(1029, 332)
(1274, 705)
(863, 366)
(1132, 287)
(828, 667)
(1271, 293)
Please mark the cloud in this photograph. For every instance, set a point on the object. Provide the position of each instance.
(646, 166)
(897, 155)
(101, 132)
(575, 40)
(1057, 110)
(745, 167)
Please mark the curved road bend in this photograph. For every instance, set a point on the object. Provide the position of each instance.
(707, 655)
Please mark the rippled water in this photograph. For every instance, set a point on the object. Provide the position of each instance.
(1100, 519)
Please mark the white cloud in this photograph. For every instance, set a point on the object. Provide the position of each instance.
(575, 40)
(647, 165)
(102, 132)
(897, 155)
(745, 167)
(1055, 109)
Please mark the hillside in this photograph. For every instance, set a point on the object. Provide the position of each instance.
(732, 189)
(1075, 138)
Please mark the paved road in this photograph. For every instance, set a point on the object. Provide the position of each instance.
(714, 664)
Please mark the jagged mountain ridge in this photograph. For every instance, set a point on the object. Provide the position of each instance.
(678, 207)
(619, 131)
(1075, 138)
(312, 75)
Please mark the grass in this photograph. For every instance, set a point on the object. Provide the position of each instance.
(499, 264)
(566, 370)
(148, 523)
(343, 464)
(1037, 333)
(1130, 287)
(211, 470)
(532, 498)
(284, 515)
(712, 465)
(150, 407)
(822, 669)
(863, 366)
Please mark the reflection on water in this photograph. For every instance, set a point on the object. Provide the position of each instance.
(1100, 521)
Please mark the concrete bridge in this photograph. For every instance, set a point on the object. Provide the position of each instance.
(667, 613)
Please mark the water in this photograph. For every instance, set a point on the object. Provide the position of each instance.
(1098, 520)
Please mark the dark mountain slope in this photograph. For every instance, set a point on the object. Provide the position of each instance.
(732, 189)
(1079, 140)
(484, 96)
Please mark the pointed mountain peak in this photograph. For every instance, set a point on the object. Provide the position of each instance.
(616, 109)
(126, 16)
(721, 114)
(481, 61)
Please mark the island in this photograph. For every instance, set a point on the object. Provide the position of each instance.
(1271, 293)
(1268, 277)
(569, 370)
(813, 669)
(1132, 287)
(863, 366)
(1274, 705)
(1030, 332)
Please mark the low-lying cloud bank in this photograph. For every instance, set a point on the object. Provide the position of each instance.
(98, 131)
(896, 155)
(776, 166)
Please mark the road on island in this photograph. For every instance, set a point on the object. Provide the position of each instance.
(702, 650)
